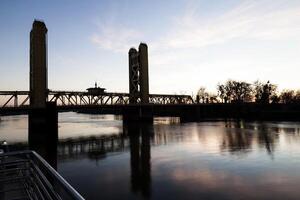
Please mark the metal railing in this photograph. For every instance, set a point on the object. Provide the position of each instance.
(73, 98)
(26, 175)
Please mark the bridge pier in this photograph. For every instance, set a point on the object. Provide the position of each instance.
(137, 114)
(43, 132)
(190, 113)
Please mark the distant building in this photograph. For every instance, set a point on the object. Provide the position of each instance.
(96, 90)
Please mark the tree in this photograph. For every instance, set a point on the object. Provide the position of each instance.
(275, 98)
(242, 91)
(297, 97)
(235, 91)
(264, 92)
(222, 93)
(202, 95)
(287, 96)
(213, 98)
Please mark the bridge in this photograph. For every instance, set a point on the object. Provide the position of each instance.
(78, 98)
(136, 104)
(15, 102)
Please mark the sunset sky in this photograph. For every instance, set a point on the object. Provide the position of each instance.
(191, 43)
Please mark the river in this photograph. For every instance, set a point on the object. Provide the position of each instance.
(232, 159)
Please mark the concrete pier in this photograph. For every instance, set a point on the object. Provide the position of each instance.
(43, 132)
(137, 114)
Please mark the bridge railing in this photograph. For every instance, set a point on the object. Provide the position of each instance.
(85, 98)
(14, 98)
(73, 98)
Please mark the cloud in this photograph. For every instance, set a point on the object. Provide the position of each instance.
(116, 37)
(180, 49)
(262, 20)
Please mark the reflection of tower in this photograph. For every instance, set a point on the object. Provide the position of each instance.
(38, 65)
(140, 157)
(138, 74)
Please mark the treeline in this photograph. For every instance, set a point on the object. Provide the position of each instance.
(240, 91)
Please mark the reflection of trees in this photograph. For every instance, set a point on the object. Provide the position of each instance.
(236, 139)
(267, 137)
(140, 157)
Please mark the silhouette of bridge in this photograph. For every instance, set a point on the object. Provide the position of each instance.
(86, 98)
(96, 97)
(137, 105)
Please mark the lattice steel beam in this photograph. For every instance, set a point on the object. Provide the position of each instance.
(71, 98)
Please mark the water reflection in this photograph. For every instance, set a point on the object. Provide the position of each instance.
(241, 137)
(206, 160)
(236, 138)
(267, 138)
(140, 157)
(95, 147)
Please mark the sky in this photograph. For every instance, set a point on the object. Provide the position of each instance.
(191, 43)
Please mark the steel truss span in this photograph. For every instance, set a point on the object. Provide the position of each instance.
(73, 98)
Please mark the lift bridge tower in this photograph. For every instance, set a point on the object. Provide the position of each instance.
(138, 75)
(38, 65)
(43, 117)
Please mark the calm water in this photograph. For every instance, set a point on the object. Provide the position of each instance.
(169, 160)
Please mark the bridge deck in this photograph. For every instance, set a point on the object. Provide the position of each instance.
(76, 98)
